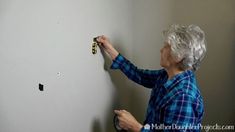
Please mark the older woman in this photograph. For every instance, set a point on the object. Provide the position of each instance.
(175, 103)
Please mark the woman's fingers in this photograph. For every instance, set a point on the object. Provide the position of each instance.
(118, 112)
(101, 39)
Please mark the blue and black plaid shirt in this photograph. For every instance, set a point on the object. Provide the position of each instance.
(174, 105)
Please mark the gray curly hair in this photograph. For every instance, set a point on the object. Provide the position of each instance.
(188, 45)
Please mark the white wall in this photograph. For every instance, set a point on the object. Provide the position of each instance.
(49, 42)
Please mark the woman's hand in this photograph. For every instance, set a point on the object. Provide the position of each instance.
(127, 121)
(107, 46)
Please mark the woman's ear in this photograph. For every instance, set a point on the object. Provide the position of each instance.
(179, 61)
(176, 59)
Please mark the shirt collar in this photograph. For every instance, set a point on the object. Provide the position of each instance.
(177, 78)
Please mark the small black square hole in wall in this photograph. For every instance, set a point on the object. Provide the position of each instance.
(40, 87)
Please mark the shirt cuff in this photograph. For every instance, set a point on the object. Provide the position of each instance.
(117, 62)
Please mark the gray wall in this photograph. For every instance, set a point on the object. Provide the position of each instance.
(216, 75)
(49, 42)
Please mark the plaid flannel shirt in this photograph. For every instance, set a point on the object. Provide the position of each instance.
(174, 105)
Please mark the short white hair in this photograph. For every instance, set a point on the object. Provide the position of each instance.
(188, 45)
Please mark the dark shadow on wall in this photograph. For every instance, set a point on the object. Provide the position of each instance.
(233, 77)
(123, 97)
(96, 126)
